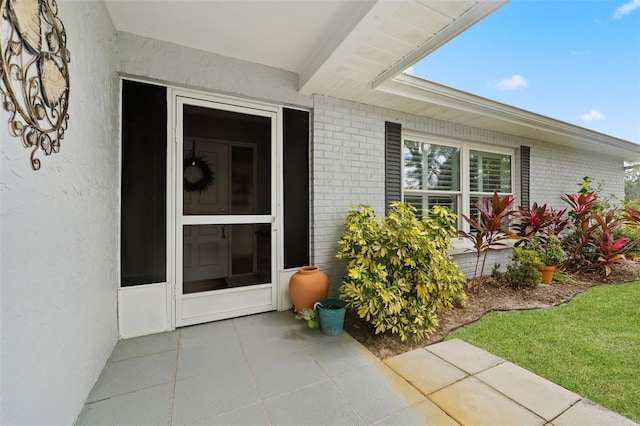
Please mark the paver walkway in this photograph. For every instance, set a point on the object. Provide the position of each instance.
(271, 369)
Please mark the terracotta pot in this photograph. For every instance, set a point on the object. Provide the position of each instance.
(307, 286)
(547, 274)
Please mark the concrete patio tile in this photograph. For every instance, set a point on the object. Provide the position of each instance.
(146, 406)
(145, 345)
(377, 392)
(424, 370)
(262, 345)
(588, 413)
(424, 413)
(319, 404)
(207, 334)
(208, 356)
(539, 395)
(209, 395)
(286, 373)
(134, 374)
(253, 415)
(266, 322)
(471, 402)
(342, 356)
(464, 355)
(313, 336)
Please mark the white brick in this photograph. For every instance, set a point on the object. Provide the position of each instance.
(348, 169)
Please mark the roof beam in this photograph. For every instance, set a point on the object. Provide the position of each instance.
(343, 39)
(469, 18)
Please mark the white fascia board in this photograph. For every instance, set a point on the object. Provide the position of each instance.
(469, 18)
(345, 36)
(416, 88)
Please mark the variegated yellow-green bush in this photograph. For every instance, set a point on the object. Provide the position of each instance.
(399, 272)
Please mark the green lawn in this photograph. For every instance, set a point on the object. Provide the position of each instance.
(590, 346)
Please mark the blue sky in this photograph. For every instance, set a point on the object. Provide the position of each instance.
(575, 61)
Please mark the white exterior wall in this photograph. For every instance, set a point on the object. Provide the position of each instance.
(59, 239)
(557, 170)
(348, 168)
(467, 261)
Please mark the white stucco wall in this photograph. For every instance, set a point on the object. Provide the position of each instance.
(59, 233)
(348, 168)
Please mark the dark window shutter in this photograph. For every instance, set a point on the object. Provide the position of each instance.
(525, 155)
(393, 163)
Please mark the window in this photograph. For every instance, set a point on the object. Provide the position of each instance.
(431, 175)
(143, 249)
(453, 175)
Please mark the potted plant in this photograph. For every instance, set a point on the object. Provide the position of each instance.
(551, 254)
(331, 314)
(326, 314)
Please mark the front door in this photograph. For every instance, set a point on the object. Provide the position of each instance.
(225, 210)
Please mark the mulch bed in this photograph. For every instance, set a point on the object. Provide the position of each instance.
(485, 295)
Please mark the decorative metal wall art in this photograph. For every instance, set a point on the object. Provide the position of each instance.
(35, 74)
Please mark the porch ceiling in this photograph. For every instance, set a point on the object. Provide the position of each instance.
(354, 50)
(337, 47)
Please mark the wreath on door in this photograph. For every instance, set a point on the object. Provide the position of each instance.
(197, 174)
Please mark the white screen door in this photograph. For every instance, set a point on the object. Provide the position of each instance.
(225, 203)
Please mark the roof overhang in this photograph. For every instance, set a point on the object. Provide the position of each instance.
(415, 95)
(354, 50)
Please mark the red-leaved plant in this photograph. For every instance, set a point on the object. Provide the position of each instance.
(490, 228)
(533, 221)
(607, 246)
(631, 216)
(593, 244)
(539, 221)
(577, 244)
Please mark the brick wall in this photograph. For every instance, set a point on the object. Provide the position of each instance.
(556, 170)
(467, 261)
(348, 168)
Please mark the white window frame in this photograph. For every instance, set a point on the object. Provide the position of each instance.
(464, 195)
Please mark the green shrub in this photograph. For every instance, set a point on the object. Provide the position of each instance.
(399, 272)
(549, 249)
(522, 271)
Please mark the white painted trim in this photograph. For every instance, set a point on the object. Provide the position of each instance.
(142, 310)
(284, 298)
(171, 212)
(416, 88)
(458, 26)
(119, 202)
(183, 303)
(226, 220)
(465, 184)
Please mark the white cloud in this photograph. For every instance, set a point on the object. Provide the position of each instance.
(626, 9)
(511, 83)
(593, 115)
(409, 71)
(580, 53)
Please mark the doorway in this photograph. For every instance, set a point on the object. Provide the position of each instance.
(225, 209)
